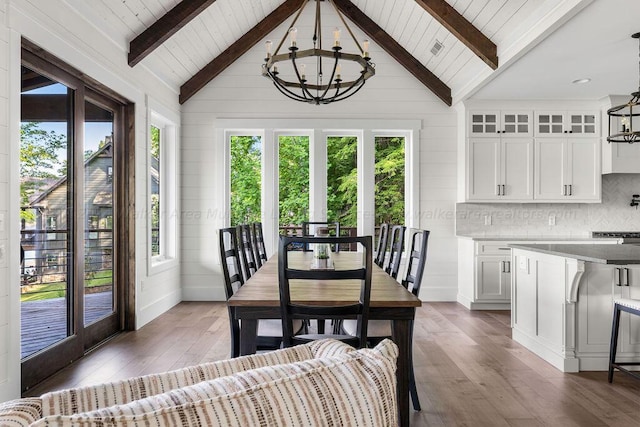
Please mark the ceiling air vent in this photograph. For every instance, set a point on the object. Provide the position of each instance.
(437, 48)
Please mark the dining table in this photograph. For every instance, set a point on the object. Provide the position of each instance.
(259, 298)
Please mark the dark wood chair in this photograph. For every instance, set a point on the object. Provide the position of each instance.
(247, 254)
(631, 306)
(269, 330)
(292, 311)
(381, 248)
(396, 246)
(381, 329)
(258, 244)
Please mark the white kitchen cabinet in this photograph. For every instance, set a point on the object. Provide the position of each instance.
(495, 123)
(567, 170)
(567, 123)
(484, 270)
(600, 285)
(620, 158)
(500, 169)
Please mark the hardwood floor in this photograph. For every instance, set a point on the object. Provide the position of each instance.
(469, 371)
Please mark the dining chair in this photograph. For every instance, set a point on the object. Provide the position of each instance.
(292, 310)
(309, 229)
(269, 335)
(381, 249)
(257, 238)
(381, 329)
(247, 254)
(632, 307)
(396, 246)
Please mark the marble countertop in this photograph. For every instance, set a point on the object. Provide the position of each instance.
(602, 254)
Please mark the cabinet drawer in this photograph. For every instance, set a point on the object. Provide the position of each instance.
(493, 248)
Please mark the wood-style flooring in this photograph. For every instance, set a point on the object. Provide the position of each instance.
(469, 371)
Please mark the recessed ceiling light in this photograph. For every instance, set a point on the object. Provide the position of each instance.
(581, 81)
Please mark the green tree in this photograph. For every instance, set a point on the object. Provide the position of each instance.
(389, 177)
(342, 180)
(39, 161)
(294, 179)
(246, 154)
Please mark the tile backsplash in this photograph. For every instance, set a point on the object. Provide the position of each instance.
(571, 219)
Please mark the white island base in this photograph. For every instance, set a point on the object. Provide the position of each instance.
(562, 303)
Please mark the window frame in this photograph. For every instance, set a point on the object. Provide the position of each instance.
(317, 130)
(168, 256)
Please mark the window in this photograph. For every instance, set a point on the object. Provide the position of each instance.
(246, 166)
(389, 180)
(293, 188)
(162, 191)
(342, 180)
(282, 172)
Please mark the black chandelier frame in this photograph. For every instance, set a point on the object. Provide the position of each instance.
(318, 93)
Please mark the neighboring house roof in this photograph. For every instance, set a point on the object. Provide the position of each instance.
(104, 151)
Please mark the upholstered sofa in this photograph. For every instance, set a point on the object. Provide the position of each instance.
(321, 383)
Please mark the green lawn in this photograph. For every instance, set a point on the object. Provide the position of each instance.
(58, 289)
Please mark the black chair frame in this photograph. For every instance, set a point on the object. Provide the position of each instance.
(247, 254)
(291, 310)
(621, 366)
(258, 244)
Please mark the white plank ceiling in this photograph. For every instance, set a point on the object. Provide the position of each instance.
(222, 23)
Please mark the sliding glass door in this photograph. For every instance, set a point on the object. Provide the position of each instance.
(70, 293)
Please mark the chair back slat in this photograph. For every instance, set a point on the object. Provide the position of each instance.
(245, 247)
(296, 310)
(396, 246)
(416, 262)
(259, 248)
(381, 248)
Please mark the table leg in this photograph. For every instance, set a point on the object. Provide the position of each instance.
(248, 333)
(401, 331)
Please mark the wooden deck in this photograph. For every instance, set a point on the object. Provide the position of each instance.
(45, 322)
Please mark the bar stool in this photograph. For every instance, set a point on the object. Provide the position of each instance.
(631, 306)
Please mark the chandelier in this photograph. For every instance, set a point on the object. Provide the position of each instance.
(621, 118)
(317, 75)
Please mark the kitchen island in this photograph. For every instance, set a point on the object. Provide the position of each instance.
(562, 302)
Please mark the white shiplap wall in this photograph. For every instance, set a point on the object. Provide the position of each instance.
(8, 386)
(62, 30)
(240, 92)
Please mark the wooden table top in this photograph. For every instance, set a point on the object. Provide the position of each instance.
(261, 290)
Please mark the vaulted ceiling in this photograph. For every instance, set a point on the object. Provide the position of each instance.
(188, 43)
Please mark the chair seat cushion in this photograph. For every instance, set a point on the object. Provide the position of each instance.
(273, 327)
(356, 388)
(375, 328)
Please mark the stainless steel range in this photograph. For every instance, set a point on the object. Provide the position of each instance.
(625, 236)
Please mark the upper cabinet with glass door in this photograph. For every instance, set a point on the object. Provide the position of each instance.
(497, 123)
(566, 123)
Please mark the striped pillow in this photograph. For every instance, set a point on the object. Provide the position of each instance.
(357, 388)
(90, 398)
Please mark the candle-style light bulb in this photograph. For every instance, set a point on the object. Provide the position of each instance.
(365, 48)
(301, 69)
(293, 36)
(336, 36)
(338, 70)
(267, 45)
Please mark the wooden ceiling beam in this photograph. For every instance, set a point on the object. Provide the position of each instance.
(238, 48)
(464, 30)
(170, 23)
(393, 48)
